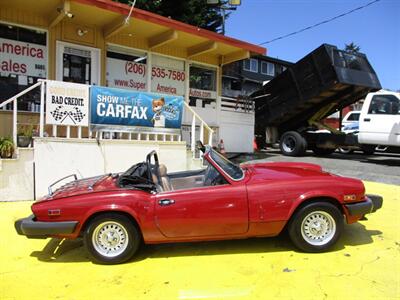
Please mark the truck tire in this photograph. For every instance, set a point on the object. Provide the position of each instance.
(292, 143)
(345, 150)
(368, 149)
(322, 151)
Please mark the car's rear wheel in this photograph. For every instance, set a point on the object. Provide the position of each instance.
(111, 239)
(316, 227)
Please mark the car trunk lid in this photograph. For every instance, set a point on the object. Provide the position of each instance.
(83, 186)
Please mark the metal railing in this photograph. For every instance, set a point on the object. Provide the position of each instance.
(14, 100)
(146, 135)
(203, 125)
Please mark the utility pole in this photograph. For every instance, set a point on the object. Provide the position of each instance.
(232, 5)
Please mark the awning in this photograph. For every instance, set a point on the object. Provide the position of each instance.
(144, 30)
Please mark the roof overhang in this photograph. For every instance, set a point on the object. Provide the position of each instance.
(157, 32)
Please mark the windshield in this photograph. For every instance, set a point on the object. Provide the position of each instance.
(233, 171)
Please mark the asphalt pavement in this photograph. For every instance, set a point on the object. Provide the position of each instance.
(379, 167)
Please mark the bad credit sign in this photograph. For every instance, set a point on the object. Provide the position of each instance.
(67, 103)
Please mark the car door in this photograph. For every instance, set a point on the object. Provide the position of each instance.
(206, 211)
(380, 120)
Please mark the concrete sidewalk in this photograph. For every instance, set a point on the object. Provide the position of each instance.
(364, 264)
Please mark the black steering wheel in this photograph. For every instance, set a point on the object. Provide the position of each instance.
(156, 166)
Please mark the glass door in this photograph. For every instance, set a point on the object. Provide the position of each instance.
(78, 64)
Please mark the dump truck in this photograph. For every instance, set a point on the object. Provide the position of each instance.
(290, 108)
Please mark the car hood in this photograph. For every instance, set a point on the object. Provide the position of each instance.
(84, 186)
(285, 170)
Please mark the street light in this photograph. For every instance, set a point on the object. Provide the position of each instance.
(232, 6)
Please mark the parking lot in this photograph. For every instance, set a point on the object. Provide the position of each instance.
(380, 167)
(364, 264)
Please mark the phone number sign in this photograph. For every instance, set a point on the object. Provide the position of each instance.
(167, 81)
(126, 74)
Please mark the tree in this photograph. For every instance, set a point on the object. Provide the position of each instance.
(352, 48)
(194, 12)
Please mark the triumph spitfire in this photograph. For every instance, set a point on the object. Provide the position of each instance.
(116, 213)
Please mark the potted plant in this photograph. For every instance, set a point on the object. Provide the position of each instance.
(24, 136)
(6, 148)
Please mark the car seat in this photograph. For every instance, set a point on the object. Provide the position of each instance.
(165, 181)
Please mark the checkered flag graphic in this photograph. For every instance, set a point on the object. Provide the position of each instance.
(58, 113)
(77, 114)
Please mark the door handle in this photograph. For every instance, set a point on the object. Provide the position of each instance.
(165, 202)
(367, 119)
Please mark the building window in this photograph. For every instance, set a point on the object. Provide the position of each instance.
(23, 61)
(236, 85)
(203, 86)
(126, 69)
(267, 68)
(202, 78)
(251, 65)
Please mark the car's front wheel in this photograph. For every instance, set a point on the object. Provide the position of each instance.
(111, 239)
(316, 227)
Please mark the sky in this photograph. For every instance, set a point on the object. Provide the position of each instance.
(376, 29)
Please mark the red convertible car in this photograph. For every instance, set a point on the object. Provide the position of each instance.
(116, 213)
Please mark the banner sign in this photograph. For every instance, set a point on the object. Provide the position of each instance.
(67, 103)
(22, 58)
(111, 106)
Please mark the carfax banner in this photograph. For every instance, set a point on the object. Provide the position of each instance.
(110, 106)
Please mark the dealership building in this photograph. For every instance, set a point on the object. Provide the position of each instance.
(105, 43)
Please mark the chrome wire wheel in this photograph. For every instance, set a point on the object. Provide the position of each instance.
(318, 228)
(110, 239)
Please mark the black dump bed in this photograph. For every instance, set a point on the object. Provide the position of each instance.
(324, 81)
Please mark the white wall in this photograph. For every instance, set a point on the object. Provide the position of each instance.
(56, 158)
(208, 114)
(237, 131)
(16, 177)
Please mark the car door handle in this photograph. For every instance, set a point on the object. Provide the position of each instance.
(367, 119)
(165, 202)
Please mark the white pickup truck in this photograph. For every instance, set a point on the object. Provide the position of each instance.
(379, 123)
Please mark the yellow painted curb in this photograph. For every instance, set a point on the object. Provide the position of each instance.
(364, 265)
